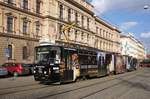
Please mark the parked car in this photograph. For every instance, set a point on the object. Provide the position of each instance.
(3, 72)
(17, 68)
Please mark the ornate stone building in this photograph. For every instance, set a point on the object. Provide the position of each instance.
(24, 22)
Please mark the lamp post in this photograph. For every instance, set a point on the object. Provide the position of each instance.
(146, 7)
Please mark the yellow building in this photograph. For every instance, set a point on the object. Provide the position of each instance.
(24, 22)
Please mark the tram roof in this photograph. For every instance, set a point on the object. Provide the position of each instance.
(78, 47)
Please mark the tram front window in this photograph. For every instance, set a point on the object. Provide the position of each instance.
(42, 57)
(49, 56)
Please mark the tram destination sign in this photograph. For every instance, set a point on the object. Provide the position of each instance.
(42, 49)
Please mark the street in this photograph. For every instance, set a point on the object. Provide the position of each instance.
(130, 85)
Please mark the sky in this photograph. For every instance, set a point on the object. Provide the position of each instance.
(129, 16)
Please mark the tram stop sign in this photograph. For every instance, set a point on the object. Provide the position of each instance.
(7, 52)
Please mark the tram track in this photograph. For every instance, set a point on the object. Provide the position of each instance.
(19, 86)
(94, 84)
(49, 86)
(24, 90)
(126, 82)
(106, 88)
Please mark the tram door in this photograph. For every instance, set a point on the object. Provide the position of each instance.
(68, 73)
(102, 66)
(108, 61)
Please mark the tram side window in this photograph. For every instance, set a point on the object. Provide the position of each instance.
(92, 60)
(83, 59)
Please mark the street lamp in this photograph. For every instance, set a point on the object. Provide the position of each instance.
(146, 7)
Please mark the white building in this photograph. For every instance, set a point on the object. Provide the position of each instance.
(132, 47)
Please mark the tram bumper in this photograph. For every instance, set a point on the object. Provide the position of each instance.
(47, 78)
(39, 77)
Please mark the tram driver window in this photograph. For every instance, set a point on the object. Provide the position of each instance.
(53, 54)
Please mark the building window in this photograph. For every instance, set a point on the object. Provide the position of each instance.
(76, 35)
(25, 56)
(82, 21)
(60, 31)
(88, 37)
(82, 36)
(100, 32)
(25, 4)
(97, 30)
(88, 22)
(76, 18)
(96, 43)
(9, 52)
(10, 2)
(100, 44)
(37, 27)
(69, 15)
(38, 6)
(61, 12)
(104, 33)
(25, 26)
(10, 24)
(111, 35)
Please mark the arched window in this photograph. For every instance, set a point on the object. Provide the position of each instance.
(25, 56)
(10, 52)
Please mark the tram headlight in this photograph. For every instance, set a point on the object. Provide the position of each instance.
(34, 71)
(56, 62)
(55, 68)
(45, 72)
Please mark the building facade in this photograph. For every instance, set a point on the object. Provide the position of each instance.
(132, 47)
(24, 22)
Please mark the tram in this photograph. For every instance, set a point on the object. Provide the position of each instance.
(66, 64)
(132, 63)
(120, 64)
